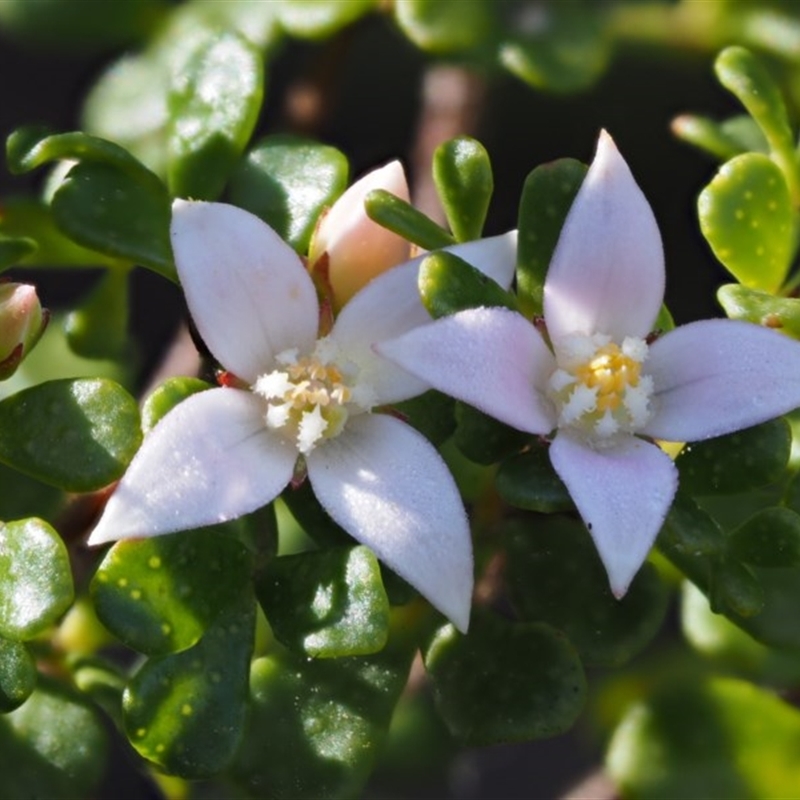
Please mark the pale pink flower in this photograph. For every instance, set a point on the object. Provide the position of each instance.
(602, 389)
(225, 452)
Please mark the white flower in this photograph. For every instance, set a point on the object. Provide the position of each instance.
(227, 451)
(604, 385)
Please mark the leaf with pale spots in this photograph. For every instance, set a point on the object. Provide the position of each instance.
(326, 603)
(186, 711)
(747, 217)
(36, 578)
(17, 674)
(761, 308)
(161, 595)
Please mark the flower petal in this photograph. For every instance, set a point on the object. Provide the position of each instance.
(623, 493)
(211, 459)
(359, 249)
(250, 295)
(718, 376)
(607, 271)
(388, 487)
(491, 358)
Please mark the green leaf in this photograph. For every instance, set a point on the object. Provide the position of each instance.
(761, 308)
(54, 746)
(736, 462)
(77, 434)
(36, 578)
(745, 76)
(771, 538)
(17, 674)
(713, 738)
(463, 176)
(98, 328)
(166, 396)
(431, 413)
(482, 438)
(555, 576)
(313, 518)
(117, 212)
(395, 214)
(747, 217)
(186, 712)
(448, 284)
(214, 103)
(25, 497)
(288, 181)
(528, 481)
(445, 26)
(689, 533)
(332, 716)
(706, 134)
(161, 595)
(546, 200)
(735, 589)
(14, 249)
(505, 682)
(319, 19)
(327, 603)
(566, 54)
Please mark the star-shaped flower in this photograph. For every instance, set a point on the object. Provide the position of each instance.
(227, 451)
(601, 388)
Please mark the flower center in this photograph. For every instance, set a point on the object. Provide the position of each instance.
(599, 387)
(310, 398)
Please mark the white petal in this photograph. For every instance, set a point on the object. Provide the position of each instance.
(623, 494)
(389, 306)
(209, 460)
(388, 487)
(249, 293)
(359, 249)
(491, 358)
(607, 271)
(718, 376)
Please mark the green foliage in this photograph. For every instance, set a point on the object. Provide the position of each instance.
(14, 249)
(214, 102)
(315, 19)
(444, 26)
(532, 686)
(326, 604)
(166, 396)
(482, 438)
(761, 308)
(527, 480)
(402, 218)
(288, 182)
(17, 674)
(77, 434)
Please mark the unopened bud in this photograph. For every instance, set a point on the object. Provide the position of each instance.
(22, 322)
(357, 248)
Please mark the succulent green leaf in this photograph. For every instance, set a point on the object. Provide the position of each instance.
(761, 308)
(689, 532)
(23, 496)
(319, 19)
(463, 176)
(316, 726)
(76, 434)
(117, 213)
(14, 249)
(735, 588)
(395, 214)
(747, 217)
(214, 103)
(445, 26)
(746, 76)
(166, 396)
(556, 552)
(448, 284)
(98, 328)
(546, 199)
(566, 53)
(36, 578)
(527, 480)
(313, 518)
(505, 682)
(186, 712)
(736, 462)
(431, 413)
(713, 738)
(326, 603)
(706, 134)
(771, 538)
(288, 181)
(482, 438)
(53, 746)
(161, 595)
(17, 674)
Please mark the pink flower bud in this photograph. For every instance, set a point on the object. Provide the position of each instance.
(357, 248)
(22, 322)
